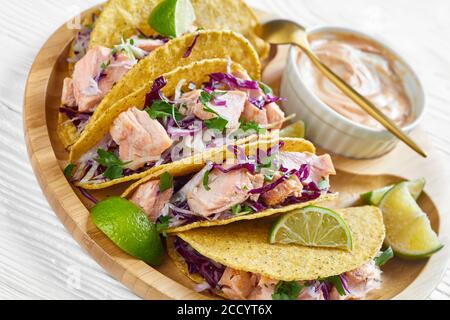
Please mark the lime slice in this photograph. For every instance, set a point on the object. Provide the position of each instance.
(312, 226)
(408, 229)
(295, 130)
(172, 18)
(129, 228)
(374, 197)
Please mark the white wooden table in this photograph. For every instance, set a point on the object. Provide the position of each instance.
(39, 259)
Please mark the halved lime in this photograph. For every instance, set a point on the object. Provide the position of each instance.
(408, 229)
(314, 227)
(374, 197)
(295, 130)
(129, 228)
(172, 18)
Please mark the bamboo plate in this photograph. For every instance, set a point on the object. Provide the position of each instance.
(402, 279)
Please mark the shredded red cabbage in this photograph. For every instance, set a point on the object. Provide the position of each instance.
(248, 166)
(155, 93)
(88, 196)
(238, 152)
(263, 101)
(191, 47)
(325, 287)
(256, 206)
(231, 81)
(198, 264)
(344, 282)
(274, 184)
(75, 116)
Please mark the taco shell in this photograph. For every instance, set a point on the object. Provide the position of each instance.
(243, 246)
(121, 18)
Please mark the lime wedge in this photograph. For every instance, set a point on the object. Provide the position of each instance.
(374, 197)
(172, 18)
(129, 228)
(312, 226)
(295, 130)
(408, 229)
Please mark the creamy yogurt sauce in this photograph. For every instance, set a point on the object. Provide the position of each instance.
(366, 67)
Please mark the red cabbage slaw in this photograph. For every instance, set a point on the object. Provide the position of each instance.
(191, 47)
(310, 191)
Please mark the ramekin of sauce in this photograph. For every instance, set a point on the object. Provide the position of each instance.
(336, 123)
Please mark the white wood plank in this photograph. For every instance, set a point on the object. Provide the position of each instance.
(39, 258)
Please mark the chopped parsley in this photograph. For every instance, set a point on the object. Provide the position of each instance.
(384, 257)
(165, 182)
(337, 282)
(218, 123)
(68, 171)
(287, 290)
(163, 224)
(252, 126)
(163, 109)
(206, 180)
(265, 88)
(114, 166)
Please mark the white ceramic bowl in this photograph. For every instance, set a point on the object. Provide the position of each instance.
(332, 131)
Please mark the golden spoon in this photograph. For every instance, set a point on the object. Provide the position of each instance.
(288, 32)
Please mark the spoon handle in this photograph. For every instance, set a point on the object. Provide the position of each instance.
(364, 103)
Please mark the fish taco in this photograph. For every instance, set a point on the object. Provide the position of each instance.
(237, 262)
(121, 18)
(105, 75)
(199, 108)
(247, 182)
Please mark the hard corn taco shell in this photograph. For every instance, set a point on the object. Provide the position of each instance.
(122, 18)
(210, 45)
(195, 164)
(197, 72)
(243, 246)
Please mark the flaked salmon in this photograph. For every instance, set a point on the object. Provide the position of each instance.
(320, 166)
(94, 76)
(67, 96)
(140, 138)
(150, 199)
(225, 191)
(237, 285)
(290, 187)
(264, 289)
(230, 108)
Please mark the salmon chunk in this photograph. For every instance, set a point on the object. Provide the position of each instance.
(148, 45)
(320, 166)
(226, 190)
(253, 113)
(290, 187)
(140, 138)
(231, 111)
(275, 115)
(149, 198)
(237, 285)
(67, 96)
(264, 289)
(94, 76)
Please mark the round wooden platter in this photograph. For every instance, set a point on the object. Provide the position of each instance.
(402, 279)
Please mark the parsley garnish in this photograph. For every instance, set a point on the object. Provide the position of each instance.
(163, 109)
(68, 171)
(236, 209)
(105, 65)
(337, 282)
(387, 255)
(265, 88)
(114, 166)
(165, 182)
(163, 224)
(287, 290)
(218, 123)
(252, 126)
(206, 180)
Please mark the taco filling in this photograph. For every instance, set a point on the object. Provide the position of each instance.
(97, 70)
(240, 285)
(238, 187)
(172, 128)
